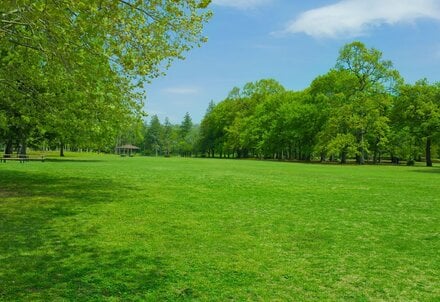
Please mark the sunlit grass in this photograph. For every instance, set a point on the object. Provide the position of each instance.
(111, 228)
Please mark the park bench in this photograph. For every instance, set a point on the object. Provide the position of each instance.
(21, 158)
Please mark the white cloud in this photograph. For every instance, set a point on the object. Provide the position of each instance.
(241, 4)
(356, 17)
(181, 90)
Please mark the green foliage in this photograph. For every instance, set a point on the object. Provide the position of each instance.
(418, 109)
(231, 128)
(137, 36)
(187, 136)
(360, 109)
(370, 71)
(70, 71)
(153, 137)
(169, 139)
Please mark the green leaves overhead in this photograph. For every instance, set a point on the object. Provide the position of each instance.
(138, 37)
(72, 69)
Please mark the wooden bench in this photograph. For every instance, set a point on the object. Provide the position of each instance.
(21, 158)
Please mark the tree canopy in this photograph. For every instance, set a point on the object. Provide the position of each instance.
(360, 109)
(71, 71)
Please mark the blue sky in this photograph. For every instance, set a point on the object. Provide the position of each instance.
(293, 42)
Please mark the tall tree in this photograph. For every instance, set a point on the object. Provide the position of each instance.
(362, 82)
(84, 61)
(207, 131)
(418, 107)
(186, 125)
(153, 138)
(168, 137)
(185, 139)
(137, 36)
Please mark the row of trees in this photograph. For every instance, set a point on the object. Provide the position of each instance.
(168, 139)
(71, 72)
(164, 139)
(361, 109)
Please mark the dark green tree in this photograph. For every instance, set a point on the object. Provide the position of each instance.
(153, 138)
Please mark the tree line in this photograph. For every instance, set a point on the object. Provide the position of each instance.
(71, 74)
(164, 139)
(361, 109)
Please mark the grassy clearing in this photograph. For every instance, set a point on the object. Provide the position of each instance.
(110, 228)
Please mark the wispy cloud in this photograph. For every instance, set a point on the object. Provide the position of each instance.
(357, 17)
(181, 90)
(241, 4)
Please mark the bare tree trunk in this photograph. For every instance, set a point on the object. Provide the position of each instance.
(9, 147)
(428, 152)
(61, 149)
(23, 148)
(343, 157)
(360, 160)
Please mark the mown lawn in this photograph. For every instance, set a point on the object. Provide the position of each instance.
(135, 229)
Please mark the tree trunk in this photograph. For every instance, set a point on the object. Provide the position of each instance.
(428, 152)
(23, 147)
(344, 157)
(61, 149)
(9, 147)
(360, 160)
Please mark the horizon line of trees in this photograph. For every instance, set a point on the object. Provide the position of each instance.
(361, 109)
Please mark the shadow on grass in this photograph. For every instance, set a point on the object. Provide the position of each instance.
(431, 170)
(49, 250)
(64, 160)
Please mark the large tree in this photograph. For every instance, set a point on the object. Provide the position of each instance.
(186, 136)
(359, 91)
(74, 67)
(136, 36)
(418, 109)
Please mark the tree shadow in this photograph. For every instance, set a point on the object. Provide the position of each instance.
(43, 260)
(64, 160)
(430, 170)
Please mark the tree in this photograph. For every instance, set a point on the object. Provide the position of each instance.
(153, 144)
(242, 134)
(185, 139)
(207, 133)
(186, 125)
(137, 36)
(77, 65)
(362, 83)
(168, 137)
(418, 108)
(359, 109)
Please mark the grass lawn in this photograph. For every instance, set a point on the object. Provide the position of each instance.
(134, 229)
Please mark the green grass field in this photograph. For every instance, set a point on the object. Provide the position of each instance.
(134, 229)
